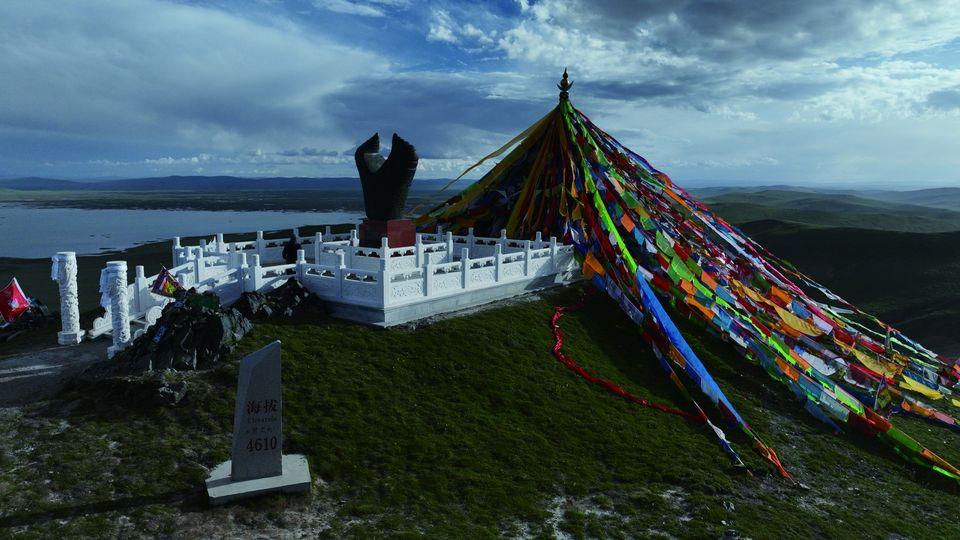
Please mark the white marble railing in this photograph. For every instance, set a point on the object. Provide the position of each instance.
(341, 271)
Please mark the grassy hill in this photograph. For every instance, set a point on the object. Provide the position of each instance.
(911, 280)
(829, 210)
(411, 433)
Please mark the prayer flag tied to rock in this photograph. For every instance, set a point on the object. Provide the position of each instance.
(13, 302)
(646, 242)
(166, 284)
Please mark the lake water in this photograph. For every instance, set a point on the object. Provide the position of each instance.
(29, 233)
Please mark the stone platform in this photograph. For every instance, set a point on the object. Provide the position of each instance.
(295, 479)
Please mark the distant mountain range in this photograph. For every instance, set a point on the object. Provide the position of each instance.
(197, 183)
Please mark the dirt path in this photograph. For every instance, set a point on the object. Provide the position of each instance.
(35, 375)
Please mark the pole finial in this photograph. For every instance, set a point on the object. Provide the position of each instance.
(564, 86)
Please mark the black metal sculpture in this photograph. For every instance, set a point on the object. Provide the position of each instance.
(386, 183)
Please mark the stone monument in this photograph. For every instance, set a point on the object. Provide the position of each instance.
(64, 272)
(258, 465)
(385, 184)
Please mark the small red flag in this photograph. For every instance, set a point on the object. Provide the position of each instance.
(13, 301)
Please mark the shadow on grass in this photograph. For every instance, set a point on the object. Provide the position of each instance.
(188, 500)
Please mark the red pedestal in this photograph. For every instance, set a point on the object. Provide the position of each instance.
(399, 232)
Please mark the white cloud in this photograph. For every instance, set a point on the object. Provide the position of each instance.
(441, 28)
(350, 8)
(169, 75)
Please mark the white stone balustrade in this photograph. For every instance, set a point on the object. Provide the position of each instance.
(385, 285)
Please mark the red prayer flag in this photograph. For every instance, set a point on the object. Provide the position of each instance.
(13, 301)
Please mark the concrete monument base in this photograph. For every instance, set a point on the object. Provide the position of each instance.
(295, 479)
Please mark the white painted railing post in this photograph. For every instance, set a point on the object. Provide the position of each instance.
(418, 249)
(526, 257)
(261, 245)
(449, 246)
(498, 260)
(317, 243)
(538, 238)
(385, 277)
(244, 274)
(384, 248)
(141, 289)
(354, 239)
(178, 255)
(65, 274)
(428, 276)
(301, 264)
(464, 267)
(256, 274)
(502, 241)
(221, 247)
(341, 273)
(553, 253)
(199, 266)
(115, 286)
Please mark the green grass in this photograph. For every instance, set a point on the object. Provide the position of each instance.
(467, 428)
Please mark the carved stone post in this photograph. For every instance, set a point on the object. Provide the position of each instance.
(526, 257)
(464, 267)
(317, 248)
(65, 274)
(449, 248)
(114, 285)
(301, 265)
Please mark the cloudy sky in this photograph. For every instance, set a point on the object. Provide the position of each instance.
(860, 93)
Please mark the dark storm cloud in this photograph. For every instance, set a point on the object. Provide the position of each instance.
(443, 115)
(728, 31)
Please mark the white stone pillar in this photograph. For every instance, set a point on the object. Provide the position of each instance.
(341, 271)
(354, 239)
(256, 274)
(65, 274)
(261, 244)
(384, 248)
(449, 241)
(178, 256)
(296, 233)
(526, 257)
(553, 253)
(538, 238)
(464, 267)
(199, 267)
(384, 277)
(115, 283)
(498, 260)
(418, 249)
(317, 248)
(427, 280)
(221, 247)
(326, 230)
(244, 275)
(502, 241)
(470, 238)
(141, 289)
(301, 264)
